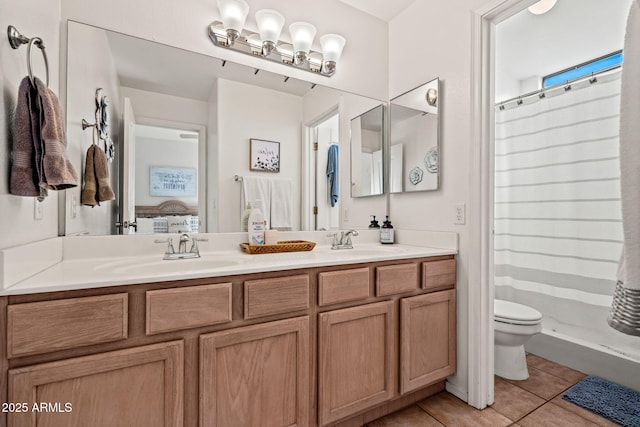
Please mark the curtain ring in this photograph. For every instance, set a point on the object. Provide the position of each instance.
(38, 42)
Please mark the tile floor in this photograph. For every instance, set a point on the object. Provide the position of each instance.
(535, 402)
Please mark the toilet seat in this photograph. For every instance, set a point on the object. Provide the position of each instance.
(515, 314)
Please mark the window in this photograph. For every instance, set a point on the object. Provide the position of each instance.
(585, 69)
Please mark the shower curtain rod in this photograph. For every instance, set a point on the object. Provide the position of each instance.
(541, 93)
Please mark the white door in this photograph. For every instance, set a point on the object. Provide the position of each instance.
(127, 201)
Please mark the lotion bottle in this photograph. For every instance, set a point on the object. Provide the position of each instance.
(386, 232)
(256, 226)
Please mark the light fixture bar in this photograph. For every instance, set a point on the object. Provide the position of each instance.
(281, 53)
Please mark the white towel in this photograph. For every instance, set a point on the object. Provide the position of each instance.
(145, 226)
(256, 189)
(625, 312)
(281, 214)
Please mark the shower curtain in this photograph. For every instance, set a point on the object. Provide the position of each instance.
(558, 227)
(625, 311)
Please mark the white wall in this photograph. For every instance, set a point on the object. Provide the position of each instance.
(445, 52)
(164, 153)
(168, 108)
(274, 116)
(83, 78)
(32, 18)
(183, 24)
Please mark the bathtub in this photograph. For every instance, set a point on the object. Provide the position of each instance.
(613, 364)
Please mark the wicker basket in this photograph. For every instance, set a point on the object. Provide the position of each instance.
(283, 246)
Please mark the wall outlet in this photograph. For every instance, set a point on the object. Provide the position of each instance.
(345, 215)
(460, 215)
(37, 210)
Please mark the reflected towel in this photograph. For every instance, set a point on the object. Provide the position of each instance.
(57, 172)
(88, 197)
(625, 312)
(101, 165)
(24, 173)
(254, 190)
(332, 174)
(281, 214)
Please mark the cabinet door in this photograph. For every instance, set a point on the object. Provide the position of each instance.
(140, 387)
(357, 359)
(427, 339)
(256, 376)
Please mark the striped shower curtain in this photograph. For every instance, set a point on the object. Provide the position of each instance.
(558, 228)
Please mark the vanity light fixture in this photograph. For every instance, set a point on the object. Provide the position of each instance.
(265, 43)
(234, 14)
(270, 25)
(543, 6)
(302, 35)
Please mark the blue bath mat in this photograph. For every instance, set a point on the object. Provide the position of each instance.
(610, 400)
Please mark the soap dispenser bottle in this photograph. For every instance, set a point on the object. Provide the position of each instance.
(386, 233)
(374, 222)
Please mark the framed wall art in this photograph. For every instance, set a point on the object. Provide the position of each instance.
(264, 156)
(174, 182)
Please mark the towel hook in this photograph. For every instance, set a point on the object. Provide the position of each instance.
(16, 40)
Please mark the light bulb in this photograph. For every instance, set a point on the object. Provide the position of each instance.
(302, 34)
(332, 45)
(270, 25)
(234, 14)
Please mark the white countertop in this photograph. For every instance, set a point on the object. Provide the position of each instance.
(89, 273)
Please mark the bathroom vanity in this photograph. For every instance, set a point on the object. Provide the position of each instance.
(318, 344)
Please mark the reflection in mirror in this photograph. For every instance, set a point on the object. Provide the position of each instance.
(414, 139)
(367, 165)
(220, 106)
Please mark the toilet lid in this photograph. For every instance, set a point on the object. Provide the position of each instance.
(510, 312)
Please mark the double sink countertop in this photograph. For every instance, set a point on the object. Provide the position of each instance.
(77, 269)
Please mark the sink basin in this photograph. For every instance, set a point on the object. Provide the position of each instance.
(155, 265)
(366, 250)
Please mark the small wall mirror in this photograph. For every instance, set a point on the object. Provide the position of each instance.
(367, 164)
(414, 139)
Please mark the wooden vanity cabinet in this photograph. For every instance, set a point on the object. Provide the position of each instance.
(256, 375)
(357, 359)
(428, 339)
(141, 386)
(307, 347)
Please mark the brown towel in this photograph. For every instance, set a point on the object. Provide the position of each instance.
(101, 167)
(57, 171)
(24, 175)
(89, 191)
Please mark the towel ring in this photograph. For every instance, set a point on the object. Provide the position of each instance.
(16, 40)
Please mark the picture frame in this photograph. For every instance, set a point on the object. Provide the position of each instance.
(173, 182)
(264, 155)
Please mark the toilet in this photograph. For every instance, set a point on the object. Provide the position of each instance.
(513, 325)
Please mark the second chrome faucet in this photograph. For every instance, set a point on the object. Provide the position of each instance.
(344, 241)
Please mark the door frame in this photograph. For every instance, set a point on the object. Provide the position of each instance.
(481, 294)
(205, 188)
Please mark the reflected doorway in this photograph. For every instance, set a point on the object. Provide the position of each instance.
(325, 173)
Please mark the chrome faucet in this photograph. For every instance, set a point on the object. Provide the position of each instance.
(344, 242)
(182, 253)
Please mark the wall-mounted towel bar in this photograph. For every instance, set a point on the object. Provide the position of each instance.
(16, 40)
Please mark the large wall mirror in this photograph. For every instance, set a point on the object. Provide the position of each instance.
(367, 160)
(183, 126)
(414, 139)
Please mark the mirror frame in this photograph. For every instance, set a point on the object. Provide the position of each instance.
(383, 148)
(437, 105)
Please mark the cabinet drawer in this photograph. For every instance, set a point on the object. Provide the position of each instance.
(265, 297)
(342, 286)
(41, 327)
(396, 279)
(190, 307)
(439, 274)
